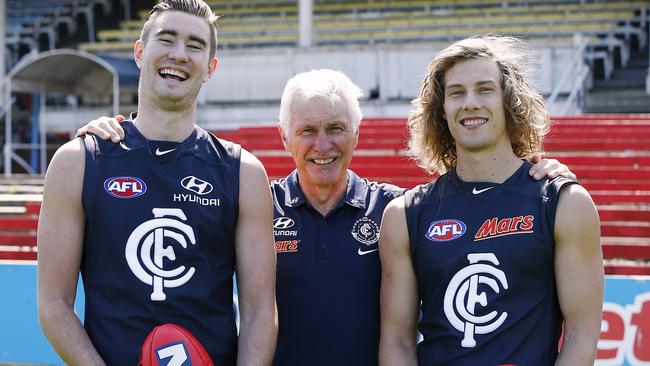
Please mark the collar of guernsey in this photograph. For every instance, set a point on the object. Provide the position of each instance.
(355, 195)
(133, 139)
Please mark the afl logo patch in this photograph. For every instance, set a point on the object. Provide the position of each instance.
(365, 231)
(445, 230)
(125, 187)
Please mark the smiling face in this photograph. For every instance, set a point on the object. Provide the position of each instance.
(174, 61)
(473, 106)
(321, 141)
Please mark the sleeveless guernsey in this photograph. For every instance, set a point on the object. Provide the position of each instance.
(159, 242)
(483, 255)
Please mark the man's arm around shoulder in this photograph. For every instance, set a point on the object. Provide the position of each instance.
(579, 275)
(60, 244)
(256, 264)
(399, 297)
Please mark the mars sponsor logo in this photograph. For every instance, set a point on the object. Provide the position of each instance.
(286, 246)
(445, 230)
(125, 187)
(495, 227)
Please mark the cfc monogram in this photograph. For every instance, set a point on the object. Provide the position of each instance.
(464, 293)
(146, 245)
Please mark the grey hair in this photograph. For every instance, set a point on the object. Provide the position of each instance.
(323, 84)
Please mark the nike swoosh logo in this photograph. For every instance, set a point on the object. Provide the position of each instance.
(479, 191)
(364, 252)
(163, 152)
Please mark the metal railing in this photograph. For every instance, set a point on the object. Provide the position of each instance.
(576, 72)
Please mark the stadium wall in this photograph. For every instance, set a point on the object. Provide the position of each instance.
(393, 71)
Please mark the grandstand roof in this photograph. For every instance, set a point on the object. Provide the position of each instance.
(57, 71)
(63, 71)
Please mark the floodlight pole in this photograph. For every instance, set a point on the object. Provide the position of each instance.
(306, 23)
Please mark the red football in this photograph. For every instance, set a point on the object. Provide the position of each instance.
(171, 344)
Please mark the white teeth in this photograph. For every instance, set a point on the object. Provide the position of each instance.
(173, 72)
(473, 122)
(323, 161)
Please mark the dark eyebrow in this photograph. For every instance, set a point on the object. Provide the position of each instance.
(173, 33)
(166, 32)
(483, 82)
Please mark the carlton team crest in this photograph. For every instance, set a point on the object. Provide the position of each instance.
(465, 297)
(365, 231)
(145, 251)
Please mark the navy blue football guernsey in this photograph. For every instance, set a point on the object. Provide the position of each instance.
(483, 255)
(159, 242)
(329, 274)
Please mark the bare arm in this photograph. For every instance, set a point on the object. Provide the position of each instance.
(579, 275)
(256, 265)
(399, 298)
(60, 243)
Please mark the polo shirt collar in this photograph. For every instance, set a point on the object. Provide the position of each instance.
(355, 194)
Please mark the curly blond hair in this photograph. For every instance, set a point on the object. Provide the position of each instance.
(527, 120)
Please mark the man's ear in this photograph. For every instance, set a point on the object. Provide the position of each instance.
(285, 143)
(211, 67)
(137, 53)
(356, 135)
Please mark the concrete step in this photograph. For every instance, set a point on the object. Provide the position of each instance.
(633, 251)
(625, 100)
(626, 267)
(631, 82)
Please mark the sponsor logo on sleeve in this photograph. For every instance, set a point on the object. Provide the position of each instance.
(445, 230)
(125, 187)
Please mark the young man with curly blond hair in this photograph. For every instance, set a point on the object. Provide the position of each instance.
(495, 261)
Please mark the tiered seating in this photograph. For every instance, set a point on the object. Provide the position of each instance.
(244, 24)
(275, 23)
(389, 21)
(20, 200)
(609, 154)
(27, 20)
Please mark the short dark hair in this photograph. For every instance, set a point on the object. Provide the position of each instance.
(194, 7)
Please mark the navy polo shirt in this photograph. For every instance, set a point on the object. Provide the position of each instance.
(329, 274)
